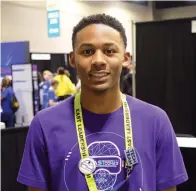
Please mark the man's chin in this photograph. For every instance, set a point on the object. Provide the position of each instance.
(100, 89)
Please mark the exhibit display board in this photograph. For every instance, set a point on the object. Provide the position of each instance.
(23, 88)
(13, 53)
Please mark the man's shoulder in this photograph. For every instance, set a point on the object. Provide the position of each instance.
(143, 108)
(62, 109)
(152, 117)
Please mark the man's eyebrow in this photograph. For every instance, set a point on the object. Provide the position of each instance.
(111, 44)
(91, 45)
(85, 44)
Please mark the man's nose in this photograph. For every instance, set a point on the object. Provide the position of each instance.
(98, 60)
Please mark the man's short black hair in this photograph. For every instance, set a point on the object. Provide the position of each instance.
(100, 19)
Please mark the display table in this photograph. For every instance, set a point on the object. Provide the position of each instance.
(12, 146)
(188, 148)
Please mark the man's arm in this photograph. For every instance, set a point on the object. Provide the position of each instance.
(34, 170)
(169, 189)
(170, 169)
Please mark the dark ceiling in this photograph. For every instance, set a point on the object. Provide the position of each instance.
(167, 4)
(170, 4)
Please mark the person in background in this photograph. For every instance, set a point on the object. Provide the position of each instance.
(40, 82)
(51, 96)
(126, 79)
(65, 87)
(44, 86)
(67, 73)
(7, 115)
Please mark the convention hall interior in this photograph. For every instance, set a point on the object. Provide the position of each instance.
(36, 41)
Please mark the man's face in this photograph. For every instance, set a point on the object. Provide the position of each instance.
(98, 56)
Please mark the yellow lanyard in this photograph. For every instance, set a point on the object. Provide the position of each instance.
(82, 138)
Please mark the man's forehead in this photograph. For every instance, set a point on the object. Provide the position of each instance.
(98, 33)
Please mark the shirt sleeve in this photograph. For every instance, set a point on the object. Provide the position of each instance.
(170, 169)
(34, 169)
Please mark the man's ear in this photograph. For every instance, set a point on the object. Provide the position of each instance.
(72, 59)
(127, 60)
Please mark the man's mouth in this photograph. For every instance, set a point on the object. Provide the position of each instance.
(99, 74)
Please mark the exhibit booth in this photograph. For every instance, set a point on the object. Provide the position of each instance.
(15, 64)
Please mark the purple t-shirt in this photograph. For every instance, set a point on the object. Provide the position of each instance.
(52, 155)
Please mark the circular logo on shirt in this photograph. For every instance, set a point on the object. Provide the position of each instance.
(87, 165)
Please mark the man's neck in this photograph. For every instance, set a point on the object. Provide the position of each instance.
(103, 103)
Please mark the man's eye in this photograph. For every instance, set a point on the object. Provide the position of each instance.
(88, 52)
(109, 51)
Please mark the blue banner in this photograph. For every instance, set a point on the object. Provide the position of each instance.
(53, 23)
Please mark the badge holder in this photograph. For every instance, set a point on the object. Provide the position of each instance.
(87, 165)
(131, 160)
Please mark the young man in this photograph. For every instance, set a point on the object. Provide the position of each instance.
(101, 140)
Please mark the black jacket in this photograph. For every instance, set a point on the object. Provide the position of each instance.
(126, 82)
